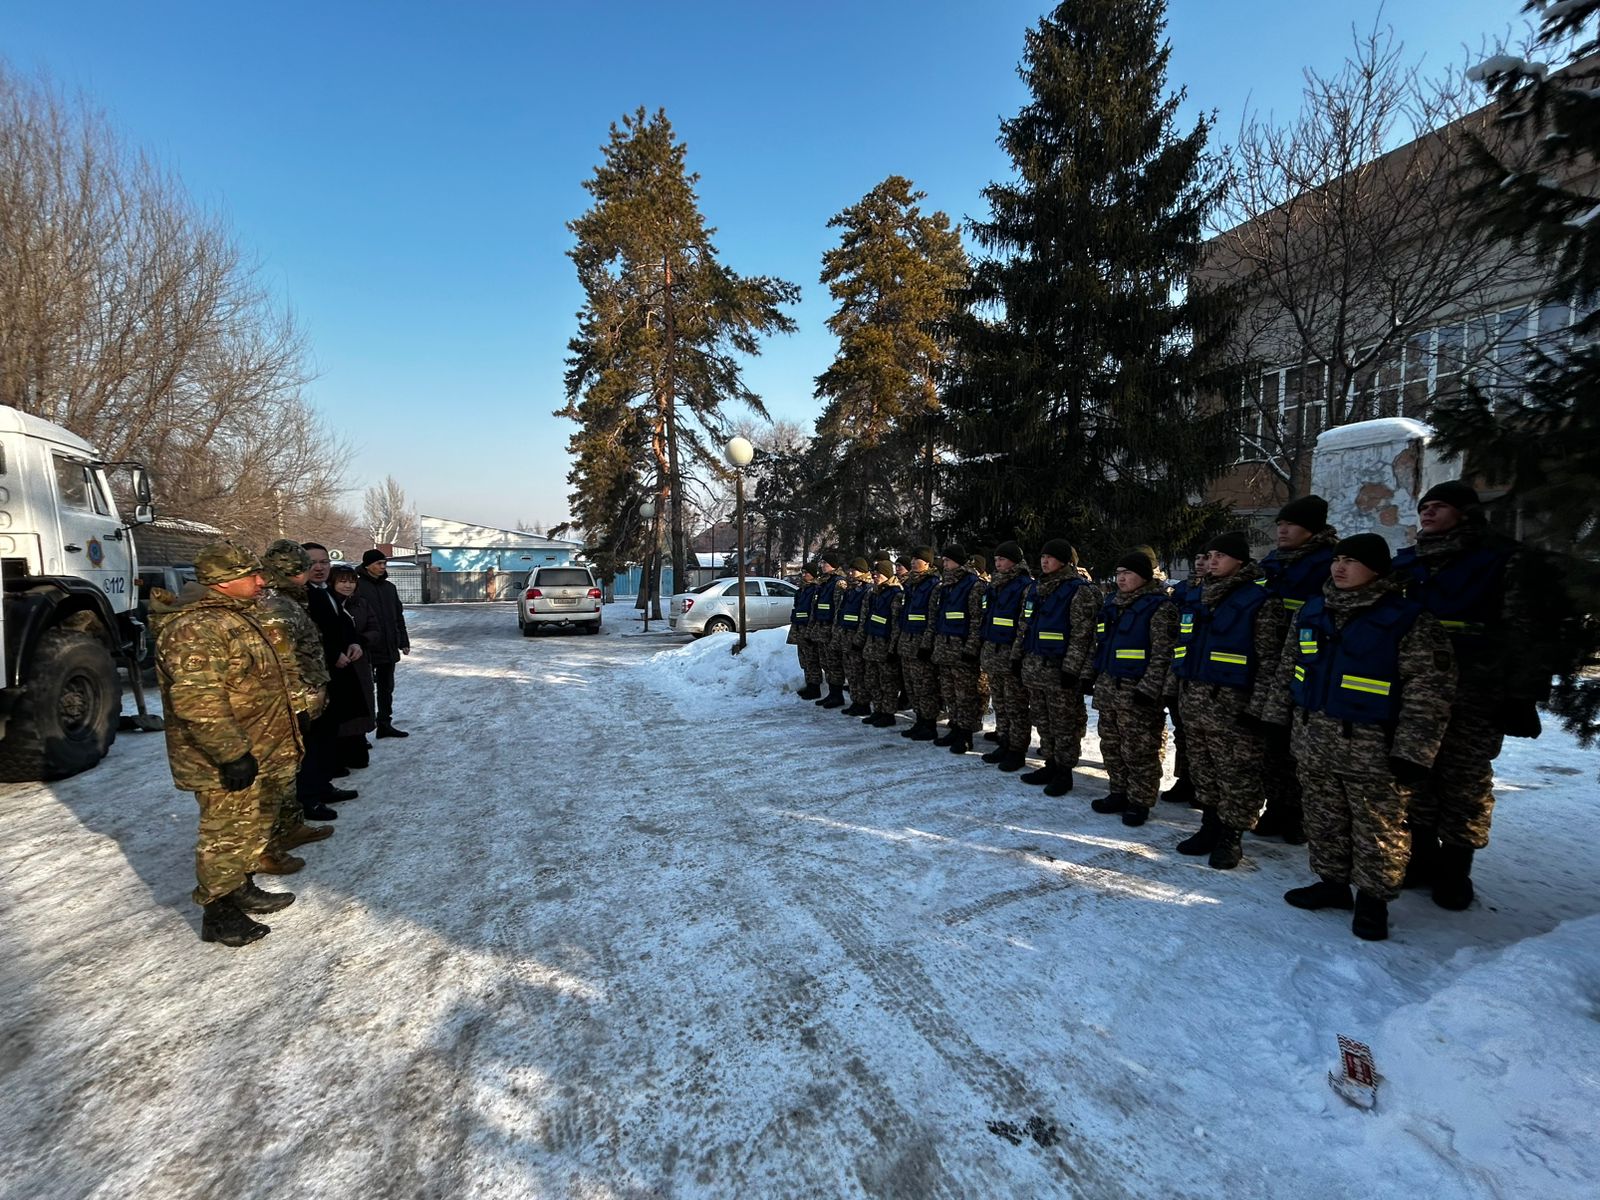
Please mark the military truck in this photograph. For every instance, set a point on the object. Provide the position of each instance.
(67, 570)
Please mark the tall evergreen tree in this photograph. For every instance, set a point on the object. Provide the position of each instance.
(1079, 400)
(663, 328)
(893, 274)
(1544, 437)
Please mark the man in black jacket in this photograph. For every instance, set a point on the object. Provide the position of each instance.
(315, 785)
(392, 641)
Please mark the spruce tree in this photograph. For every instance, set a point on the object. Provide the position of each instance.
(1079, 401)
(893, 275)
(1544, 437)
(664, 327)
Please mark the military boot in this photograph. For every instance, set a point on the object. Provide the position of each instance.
(810, 692)
(1228, 851)
(1040, 777)
(922, 731)
(1135, 814)
(301, 834)
(995, 755)
(948, 736)
(1372, 917)
(1062, 782)
(1424, 858)
(1204, 839)
(858, 708)
(1181, 791)
(222, 921)
(961, 742)
(1325, 893)
(1452, 878)
(279, 864)
(252, 899)
(1014, 760)
(884, 720)
(992, 736)
(835, 698)
(1111, 802)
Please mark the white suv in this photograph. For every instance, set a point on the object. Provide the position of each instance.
(559, 596)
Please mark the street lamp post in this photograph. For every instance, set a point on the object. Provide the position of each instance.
(739, 452)
(647, 513)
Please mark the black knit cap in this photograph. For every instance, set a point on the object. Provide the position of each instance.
(859, 564)
(1457, 493)
(885, 568)
(372, 556)
(809, 569)
(1234, 543)
(833, 558)
(1009, 550)
(926, 554)
(1368, 549)
(1308, 512)
(1062, 549)
(1139, 563)
(956, 551)
(903, 561)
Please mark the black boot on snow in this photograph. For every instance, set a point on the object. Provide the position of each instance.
(945, 738)
(1424, 858)
(1204, 839)
(221, 921)
(1135, 814)
(1371, 921)
(1111, 802)
(835, 698)
(1452, 878)
(1014, 760)
(1229, 850)
(995, 755)
(810, 692)
(961, 742)
(1181, 791)
(1063, 781)
(1040, 777)
(991, 736)
(858, 709)
(252, 899)
(884, 720)
(922, 731)
(1324, 893)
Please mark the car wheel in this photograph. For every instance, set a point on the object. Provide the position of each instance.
(593, 627)
(530, 629)
(719, 625)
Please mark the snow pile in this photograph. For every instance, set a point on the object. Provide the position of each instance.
(1506, 64)
(708, 669)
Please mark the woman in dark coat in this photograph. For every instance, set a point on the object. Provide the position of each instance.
(356, 682)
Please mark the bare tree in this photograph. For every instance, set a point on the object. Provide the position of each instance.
(1350, 248)
(386, 515)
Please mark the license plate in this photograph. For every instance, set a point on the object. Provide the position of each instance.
(563, 603)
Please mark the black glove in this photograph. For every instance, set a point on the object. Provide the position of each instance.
(238, 774)
(924, 653)
(1407, 773)
(1142, 700)
(1520, 719)
(304, 721)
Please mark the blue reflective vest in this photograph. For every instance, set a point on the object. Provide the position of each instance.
(914, 612)
(1001, 608)
(878, 610)
(1050, 619)
(952, 618)
(1219, 647)
(1465, 595)
(1296, 582)
(800, 614)
(827, 609)
(1352, 674)
(852, 605)
(1122, 636)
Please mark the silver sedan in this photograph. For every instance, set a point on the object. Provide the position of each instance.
(714, 607)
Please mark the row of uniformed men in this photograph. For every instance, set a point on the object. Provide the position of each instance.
(1329, 670)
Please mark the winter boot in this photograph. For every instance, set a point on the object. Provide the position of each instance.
(1372, 917)
(996, 755)
(221, 921)
(945, 738)
(1135, 814)
(252, 899)
(1228, 851)
(1111, 802)
(389, 731)
(858, 708)
(1424, 858)
(1204, 839)
(810, 692)
(1452, 878)
(1181, 791)
(922, 731)
(1062, 783)
(884, 720)
(1040, 777)
(991, 736)
(1014, 760)
(835, 698)
(278, 864)
(961, 742)
(301, 834)
(1325, 893)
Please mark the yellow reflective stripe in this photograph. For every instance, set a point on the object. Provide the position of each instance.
(1180, 651)
(1237, 659)
(1300, 674)
(880, 620)
(1462, 626)
(1003, 622)
(1378, 687)
(1052, 637)
(958, 615)
(1130, 653)
(852, 617)
(1100, 627)
(1310, 648)
(1261, 583)
(1292, 605)
(916, 616)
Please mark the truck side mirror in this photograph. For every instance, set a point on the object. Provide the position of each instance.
(143, 514)
(144, 511)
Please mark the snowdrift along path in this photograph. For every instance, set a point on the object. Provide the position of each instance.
(622, 920)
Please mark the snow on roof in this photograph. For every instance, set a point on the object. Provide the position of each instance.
(178, 525)
(1373, 433)
(443, 533)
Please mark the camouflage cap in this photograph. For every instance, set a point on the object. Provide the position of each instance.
(283, 560)
(223, 562)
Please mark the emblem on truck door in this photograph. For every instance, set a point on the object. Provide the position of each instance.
(97, 554)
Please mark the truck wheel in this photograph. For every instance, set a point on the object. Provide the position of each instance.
(67, 718)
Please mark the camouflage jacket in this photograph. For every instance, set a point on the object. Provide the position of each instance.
(223, 687)
(947, 651)
(830, 591)
(876, 649)
(1078, 661)
(1163, 637)
(1267, 638)
(297, 641)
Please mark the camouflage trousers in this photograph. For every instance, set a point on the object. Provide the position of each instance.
(1458, 799)
(1011, 716)
(922, 684)
(810, 659)
(1057, 710)
(855, 673)
(958, 686)
(234, 827)
(1131, 741)
(290, 816)
(1355, 812)
(832, 645)
(883, 684)
(1224, 760)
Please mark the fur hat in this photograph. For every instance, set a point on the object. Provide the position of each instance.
(1139, 563)
(1235, 544)
(1009, 550)
(1368, 549)
(1308, 512)
(223, 562)
(1457, 493)
(1062, 549)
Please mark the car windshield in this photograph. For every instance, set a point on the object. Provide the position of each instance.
(563, 577)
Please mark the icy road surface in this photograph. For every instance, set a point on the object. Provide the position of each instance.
(626, 920)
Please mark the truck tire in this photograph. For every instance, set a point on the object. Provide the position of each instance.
(66, 719)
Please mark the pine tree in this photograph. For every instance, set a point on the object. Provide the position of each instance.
(893, 274)
(1545, 437)
(663, 328)
(1078, 403)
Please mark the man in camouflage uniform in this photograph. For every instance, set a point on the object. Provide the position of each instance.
(1365, 683)
(956, 622)
(298, 645)
(825, 626)
(800, 634)
(1002, 617)
(979, 565)
(1055, 646)
(1469, 579)
(1295, 571)
(1135, 633)
(1227, 652)
(1185, 597)
(232, 738)
(882, 624)
(914, 644)
(853, 620)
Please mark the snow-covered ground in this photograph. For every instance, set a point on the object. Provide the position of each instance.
(624, 918)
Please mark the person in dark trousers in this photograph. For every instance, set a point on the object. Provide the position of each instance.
(353, 745)
(315, 786)
(384, 601)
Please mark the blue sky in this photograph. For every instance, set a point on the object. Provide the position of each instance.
(405, 171)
